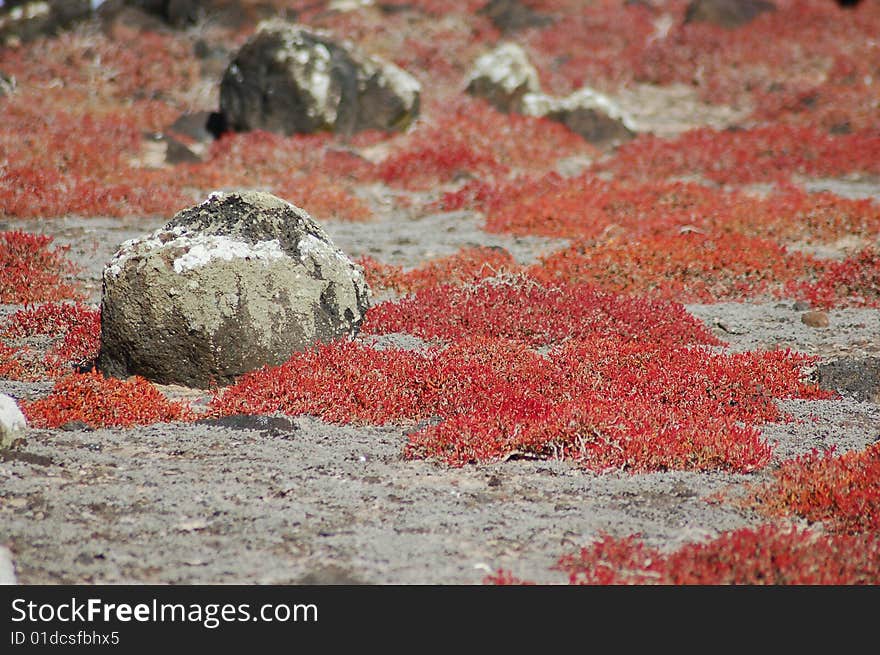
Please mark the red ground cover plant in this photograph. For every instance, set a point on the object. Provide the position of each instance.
(468, 265)
(103, 402)
(32, 271)
(519, 308)
(761, 154)
(842, 491)
(628, 388)
(686, 267)
(768, 555)
(853, 282)
(471, 138)
(75, 330)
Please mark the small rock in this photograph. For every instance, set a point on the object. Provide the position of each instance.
(729, 14)
(512, 15)
(815, 319)
(7, 568)
(801, 306)
(596, 117)
(503, 76)
(12, 421)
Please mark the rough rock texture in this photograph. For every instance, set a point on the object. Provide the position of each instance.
(512, 15)
(726, 13)
(503, 76)
(855, 378)
(225, 287)
(288, 79)
(12, 421)
(24, 21)
(593, 115)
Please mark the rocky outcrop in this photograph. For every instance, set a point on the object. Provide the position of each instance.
(240, 281)
(12, 421)
(726, 13)
(503, 76)
(596, 117)
(288, 79)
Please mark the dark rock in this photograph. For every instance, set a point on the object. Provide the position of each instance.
(512, 15)
(25, 21)
(593, 115)
(289, 80)
(729, 14)
(855, 378)
(240, 281)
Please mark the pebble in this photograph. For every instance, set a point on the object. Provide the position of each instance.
(815, 319)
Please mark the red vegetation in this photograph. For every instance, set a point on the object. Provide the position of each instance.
(519, 308)
(471, 138)
(762, 154)
(853, 282)
(686, 267)
(31, 271)
(841, 491)
(768, 555)
(103, 402)
(75, 330)
(627, 390)
(469, 265)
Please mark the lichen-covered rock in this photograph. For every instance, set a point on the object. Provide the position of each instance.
(503, 76)
(596, 117)
(288, 79)
(12, 421)
(729, 14)
(240, 281)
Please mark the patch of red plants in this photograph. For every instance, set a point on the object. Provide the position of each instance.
(853, 282)
(629, 388)
(768, 555)
(840, 490)
(519, 308)
(99, 401)
(686, 266)
(75, 330)
(471, 138)
(32, 271)
(469, 265)
(761, 154)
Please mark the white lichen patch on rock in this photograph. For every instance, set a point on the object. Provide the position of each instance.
(202, 249)
(541, 104)
(12, 422)
(508, 67)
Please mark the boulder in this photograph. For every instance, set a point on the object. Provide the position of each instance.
(25, 21)
(857, 378)
(289, 79)
(12, 421)
(596, 117)
(240, 281)
(503, 76)
(729, 14)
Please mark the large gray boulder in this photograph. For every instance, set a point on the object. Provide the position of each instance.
(25, 20)
(240, 281)
(289, 79)
(503, 76)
